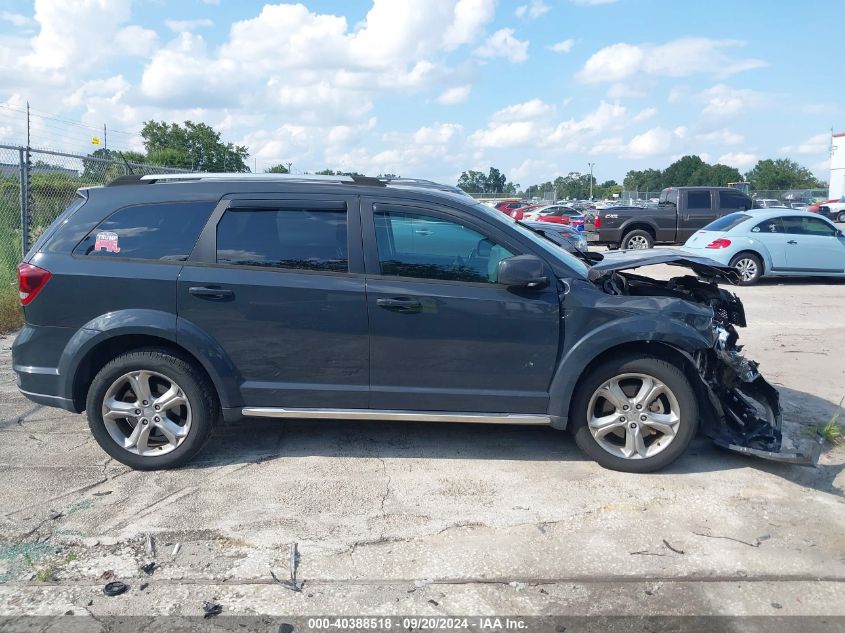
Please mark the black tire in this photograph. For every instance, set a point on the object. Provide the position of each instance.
(671, 376)
(841, 217)
(744, 263)
(193, 383)
(641, 239)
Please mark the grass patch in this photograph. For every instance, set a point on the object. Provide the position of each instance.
(832, 431)
(11, 315)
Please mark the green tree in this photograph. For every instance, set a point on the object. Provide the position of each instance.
(194, 146)
(681, 172)
(473, 182)
(781, 173)
(277, 169)
(496, 181)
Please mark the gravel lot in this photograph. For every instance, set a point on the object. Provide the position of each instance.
(438, 519)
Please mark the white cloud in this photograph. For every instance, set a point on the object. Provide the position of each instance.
(533, 170)
(533, 109)
(502, 43)
(136, 40)
(740, 160)
(562, 47)
(657, 141)
(721, 137)
(16, 19)
(178, 26)
(678, 58)
(726, 101)
(455, 95)
(437, 134)
(593, 3)
(533, 11)
(818, 144)
(643, 115)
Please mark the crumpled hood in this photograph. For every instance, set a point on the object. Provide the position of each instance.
(627, 260)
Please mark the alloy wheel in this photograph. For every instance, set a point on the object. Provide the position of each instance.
(146, 413)
(747, 268)
(637, 242)
(633, 416)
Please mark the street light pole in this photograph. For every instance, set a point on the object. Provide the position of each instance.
(591, 180)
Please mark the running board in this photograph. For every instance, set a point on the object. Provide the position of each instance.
(397, 416)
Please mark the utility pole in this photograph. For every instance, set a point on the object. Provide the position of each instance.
(105, 139)
(289, 164)
(591, 180)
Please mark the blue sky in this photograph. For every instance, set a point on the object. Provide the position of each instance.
(429, 88)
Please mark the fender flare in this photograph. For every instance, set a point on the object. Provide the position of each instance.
(159, 324)
(631, 330)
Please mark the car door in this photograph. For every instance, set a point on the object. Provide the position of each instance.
(444, 336)
(696, 212)
(277, 285)
(814, 246)
(770, 233)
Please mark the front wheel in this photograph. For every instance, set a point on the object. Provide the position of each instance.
(634, 414)
(749, 267)
(151, 409)
(841, 217)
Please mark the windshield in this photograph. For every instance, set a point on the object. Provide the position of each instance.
(546, 245)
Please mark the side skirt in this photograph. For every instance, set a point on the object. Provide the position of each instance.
(397, 416)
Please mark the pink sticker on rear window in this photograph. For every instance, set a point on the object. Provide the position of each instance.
(107, 241)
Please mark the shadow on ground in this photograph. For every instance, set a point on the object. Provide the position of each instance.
(255, 440)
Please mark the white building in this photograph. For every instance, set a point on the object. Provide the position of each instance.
(837, 167)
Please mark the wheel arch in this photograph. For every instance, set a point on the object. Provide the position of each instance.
(639, 225)
(116, 333)
(676, 346)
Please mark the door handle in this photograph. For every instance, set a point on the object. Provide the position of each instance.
(209, 292)
(400, 304)
(792, 242)
(423, 232)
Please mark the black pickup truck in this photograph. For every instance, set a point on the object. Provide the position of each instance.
(680, 212)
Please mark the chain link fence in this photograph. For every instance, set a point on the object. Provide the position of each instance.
(788, 197)
(35, 187)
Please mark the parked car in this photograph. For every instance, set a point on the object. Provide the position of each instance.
(680, 212)
(160, 304)
(834, 210)
(563, 235)
(780, 242)
(508, 205)
(556, 214)
(519, 212)
(767, 203)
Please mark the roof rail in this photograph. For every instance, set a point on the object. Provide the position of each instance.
(245, 176)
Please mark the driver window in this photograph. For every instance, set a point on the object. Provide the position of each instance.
(429, 247)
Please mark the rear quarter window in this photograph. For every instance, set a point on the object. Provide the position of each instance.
(727, 222)
(164, 231)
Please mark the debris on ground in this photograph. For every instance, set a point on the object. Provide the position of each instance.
(175, 551)
(777, 605)
(115, 588)
(149, 568)
(107, 575)
(293, 584)
(102, 494)
(149, 545)
(211, 609)
(677, 551)
(434, 602)
(144, 585)
(54, 514)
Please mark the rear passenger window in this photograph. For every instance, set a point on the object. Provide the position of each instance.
(733, 201)
(772, 225)
(697, 200)
(305, 239)
(166, 231)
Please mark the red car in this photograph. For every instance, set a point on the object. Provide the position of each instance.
(564, 215)
(519, 213)
(508, 205)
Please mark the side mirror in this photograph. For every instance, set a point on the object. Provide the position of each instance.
(839, 233)
(523, 271)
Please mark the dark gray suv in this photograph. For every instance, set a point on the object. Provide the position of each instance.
(164, 304)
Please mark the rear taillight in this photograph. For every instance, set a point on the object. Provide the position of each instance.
(31, 279)
(722, 242)
(597, 222)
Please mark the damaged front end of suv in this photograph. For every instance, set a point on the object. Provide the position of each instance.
(741, 411)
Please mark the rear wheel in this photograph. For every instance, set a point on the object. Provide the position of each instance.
(749, 267)
(634, 414)
(637, 240)
(841, 217)
(151, 409)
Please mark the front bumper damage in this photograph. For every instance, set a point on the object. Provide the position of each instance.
(747, 406)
